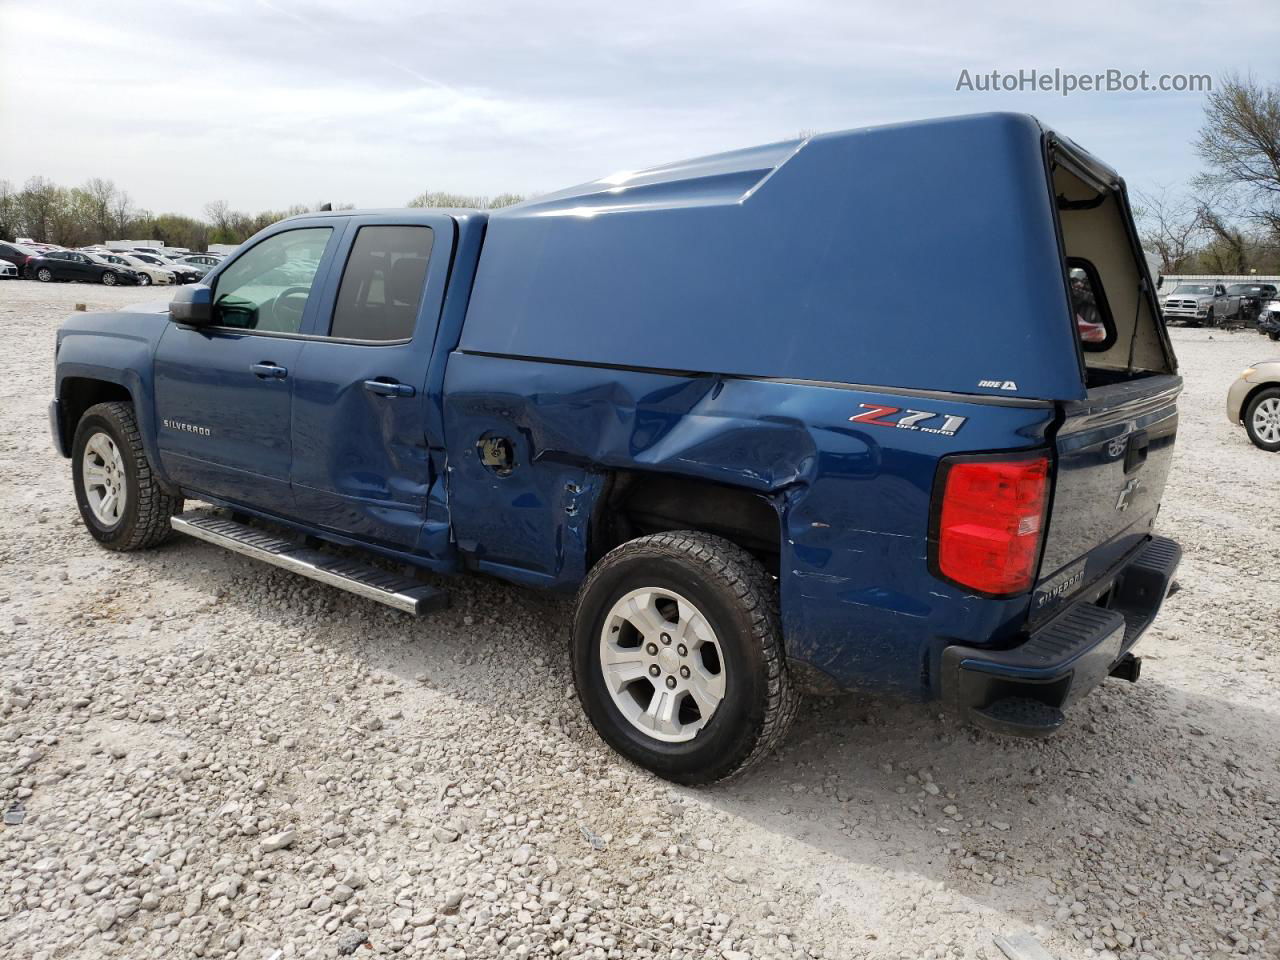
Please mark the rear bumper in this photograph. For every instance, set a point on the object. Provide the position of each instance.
(1023, 690)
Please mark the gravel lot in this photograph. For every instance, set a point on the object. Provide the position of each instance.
(217, 759)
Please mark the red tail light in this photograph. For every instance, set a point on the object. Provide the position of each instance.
(989, 517)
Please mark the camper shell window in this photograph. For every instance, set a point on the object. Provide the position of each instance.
(1112, 304)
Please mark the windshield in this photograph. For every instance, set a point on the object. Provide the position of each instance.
(1202, 289)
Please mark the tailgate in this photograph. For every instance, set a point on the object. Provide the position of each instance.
(1113, 455)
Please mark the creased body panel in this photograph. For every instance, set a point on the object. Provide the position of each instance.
(852, 497)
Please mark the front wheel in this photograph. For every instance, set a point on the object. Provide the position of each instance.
(144, 280)
(109, 279)
(678, 657)
(1262, 420)
(1274, 336)
(120, 502)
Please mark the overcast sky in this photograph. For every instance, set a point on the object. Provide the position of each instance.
(264, 104)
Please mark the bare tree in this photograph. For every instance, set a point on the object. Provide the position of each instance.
(8, 211)
(37, 206)
(1240, 141)
(99, 201)
(220, 216)
(461, 200)
(1228, 248)
(122, 213)
(1170, 226)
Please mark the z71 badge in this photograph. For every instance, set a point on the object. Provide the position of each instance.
(946, 424)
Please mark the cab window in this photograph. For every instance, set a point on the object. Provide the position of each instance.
(382, 284)
(267, 287)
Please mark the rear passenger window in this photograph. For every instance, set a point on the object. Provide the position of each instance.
(382, 284)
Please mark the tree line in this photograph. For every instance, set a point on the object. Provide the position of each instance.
(99, 211)
(1226, 220)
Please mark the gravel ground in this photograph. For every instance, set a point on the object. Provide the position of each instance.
(214, 758)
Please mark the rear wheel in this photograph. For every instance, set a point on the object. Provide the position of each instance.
(120, 502)
(44, 275)
(678, 656)
(1262, 419)
(1274, 336)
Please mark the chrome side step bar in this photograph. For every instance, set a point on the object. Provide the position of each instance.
(362, 579)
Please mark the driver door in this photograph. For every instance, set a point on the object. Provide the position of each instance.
(224, 391)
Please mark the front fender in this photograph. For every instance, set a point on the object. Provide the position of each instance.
(114, 348)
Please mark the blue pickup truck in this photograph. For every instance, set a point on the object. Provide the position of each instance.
(888, 410)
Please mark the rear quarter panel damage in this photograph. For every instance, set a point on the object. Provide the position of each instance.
(858, 602)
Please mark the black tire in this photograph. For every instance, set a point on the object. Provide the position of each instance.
(109, 279)
(44, 275)
(144, 521)
(1274, 336)
(1262, 396)
(738, 599)
(1208, 319)
(144, 280)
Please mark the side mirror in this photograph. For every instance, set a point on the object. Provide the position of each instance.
(193, 305)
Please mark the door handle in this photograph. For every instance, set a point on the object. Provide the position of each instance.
(389, 388)
(269, 371)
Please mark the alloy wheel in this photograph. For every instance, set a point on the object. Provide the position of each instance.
(662, 664)
(105, 483)
(1266, 420)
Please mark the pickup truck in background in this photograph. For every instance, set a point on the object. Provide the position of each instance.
(695, 396)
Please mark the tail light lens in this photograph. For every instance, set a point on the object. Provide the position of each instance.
(989, 517)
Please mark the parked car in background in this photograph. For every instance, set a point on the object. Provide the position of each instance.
(1269, 319)
(70, 265)
(197, 263)
(1254, 400)
(19, 255)
(1193, 303)
(206, 261)
(8, 270)
(1242, 302)
(183, 273)
(148, 273)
